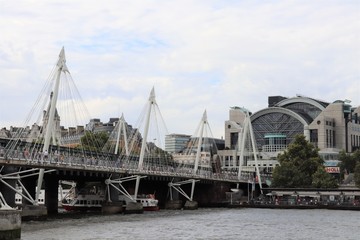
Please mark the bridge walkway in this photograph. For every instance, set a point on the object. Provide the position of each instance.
(54, 161)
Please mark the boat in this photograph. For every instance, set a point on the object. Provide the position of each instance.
(93, 199)
(84, 200)
(149, 202)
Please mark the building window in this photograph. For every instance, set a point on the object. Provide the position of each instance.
(234, 140)
(327, 138)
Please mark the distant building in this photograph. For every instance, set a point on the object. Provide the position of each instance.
(69, 137)
(175, 143)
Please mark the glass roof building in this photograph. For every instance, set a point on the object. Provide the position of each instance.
(331, 127)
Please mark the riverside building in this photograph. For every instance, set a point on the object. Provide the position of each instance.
(331, 127)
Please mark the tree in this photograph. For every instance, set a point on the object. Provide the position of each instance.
(287, 175)
(322, 179)
(357, 174)
(94, 141)
(347, 163)
(356, 157)
(298, 165)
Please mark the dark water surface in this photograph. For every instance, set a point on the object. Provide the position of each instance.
(220, 223)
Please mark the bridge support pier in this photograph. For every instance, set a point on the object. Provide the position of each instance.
(134, 207)
(52, 194)
(191, 205)
(10, 224)
(112, 205)
(173, 204)
(30, 211)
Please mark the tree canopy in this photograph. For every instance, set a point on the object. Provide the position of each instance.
(356, 157)
(94, 141)
(348, 162)
(301, 166)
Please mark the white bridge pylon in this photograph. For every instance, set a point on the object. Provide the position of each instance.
(247, 132)
(139, 151)
(38, 147)
(61, 67)
(120, 130)
(199, 135)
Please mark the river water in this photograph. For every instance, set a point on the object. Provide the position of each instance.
(219, 223)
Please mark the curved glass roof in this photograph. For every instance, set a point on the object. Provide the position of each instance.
(305, 110)
(306, 107)
(276, 123)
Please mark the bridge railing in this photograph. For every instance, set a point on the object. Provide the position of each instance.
(61, 159)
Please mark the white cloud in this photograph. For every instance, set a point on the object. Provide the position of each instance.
(198, 54)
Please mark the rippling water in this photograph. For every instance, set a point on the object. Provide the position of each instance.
(202, 224)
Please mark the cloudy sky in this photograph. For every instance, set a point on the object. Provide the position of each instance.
(198, 55)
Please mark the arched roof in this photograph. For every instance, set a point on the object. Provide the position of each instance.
(278, 110)
(319, 104)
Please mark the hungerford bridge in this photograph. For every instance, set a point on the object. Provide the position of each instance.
(27, 166)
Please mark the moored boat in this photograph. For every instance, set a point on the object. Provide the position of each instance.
(149, 202)
(94, 199)
(86, 199)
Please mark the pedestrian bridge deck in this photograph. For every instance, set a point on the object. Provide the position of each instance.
(110, 166)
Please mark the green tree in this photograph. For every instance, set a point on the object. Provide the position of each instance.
(94, 141)
(298, 164)
(287, 175)
(347, 163)
(322, 179)
(356, 157)
(357, 174)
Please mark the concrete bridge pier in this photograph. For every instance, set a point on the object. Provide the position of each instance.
(10, 224)
(175, 203)
(134, 207)
(30, 211)
(191, 205)
(113, 205)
